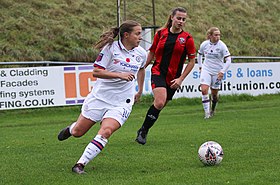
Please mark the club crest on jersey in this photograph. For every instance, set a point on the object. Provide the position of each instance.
(138, 59)
(99, 57)
(182, 40)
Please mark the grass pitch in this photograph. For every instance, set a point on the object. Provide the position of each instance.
(246, 127)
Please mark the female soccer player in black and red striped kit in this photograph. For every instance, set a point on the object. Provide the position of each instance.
(171, 46)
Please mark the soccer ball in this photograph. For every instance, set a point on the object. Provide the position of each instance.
(210, 153)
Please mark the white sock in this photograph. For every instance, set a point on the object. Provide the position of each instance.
(71, 127)
(206, 104)
(93, 149)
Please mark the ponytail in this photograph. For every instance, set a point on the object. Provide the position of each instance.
(107, 38)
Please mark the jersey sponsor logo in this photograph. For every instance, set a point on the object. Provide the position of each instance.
(99, 57)
(128, 65)
(182, 40)
(127, 59)
(116, 61)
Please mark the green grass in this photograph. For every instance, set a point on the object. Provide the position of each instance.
(65, 30)
(246, 127)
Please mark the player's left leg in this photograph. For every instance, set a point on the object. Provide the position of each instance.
(108, 127)
(215, 99)
(216, 83)
(112, 120)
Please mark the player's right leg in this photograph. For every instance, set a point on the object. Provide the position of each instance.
(88, 117)
(64, 133)
(205, 100)
(205, 81)
(76, 129)
(152, 114)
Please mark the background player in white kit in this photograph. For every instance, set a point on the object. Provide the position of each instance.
(213, 68)
(113, 95)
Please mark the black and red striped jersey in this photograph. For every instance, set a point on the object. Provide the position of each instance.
(171, 51)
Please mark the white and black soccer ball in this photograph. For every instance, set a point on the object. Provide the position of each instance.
(210, 153)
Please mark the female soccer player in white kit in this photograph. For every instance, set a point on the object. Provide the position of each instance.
(213, 68)
(113, 94)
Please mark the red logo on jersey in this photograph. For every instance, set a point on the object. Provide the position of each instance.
(116, 61)
(127, 59)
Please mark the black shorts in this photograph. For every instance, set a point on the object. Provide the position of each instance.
(159, 81)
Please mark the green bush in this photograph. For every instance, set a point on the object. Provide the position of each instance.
(67, 29)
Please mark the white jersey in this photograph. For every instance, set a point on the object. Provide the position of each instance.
(214, 54)
(116, 58)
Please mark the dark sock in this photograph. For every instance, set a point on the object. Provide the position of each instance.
(151, 117)
(214, 102)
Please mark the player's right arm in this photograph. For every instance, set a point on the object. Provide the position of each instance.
(199, 60)
(105, 74)
(199, 56)
(151, 54)
(103, 60)
(150, 58)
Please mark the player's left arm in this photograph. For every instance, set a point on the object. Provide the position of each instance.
(140, 81)
(227, 59)
(225, 68)
(176, 83)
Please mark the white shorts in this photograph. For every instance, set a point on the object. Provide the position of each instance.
(210, 80)
(96, 110)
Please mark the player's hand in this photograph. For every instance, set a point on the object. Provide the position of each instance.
(176, 83)
(137, 97)
(220, 75)
(127, 76)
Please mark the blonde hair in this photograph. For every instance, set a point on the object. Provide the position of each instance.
(109, 36)
(211, 31)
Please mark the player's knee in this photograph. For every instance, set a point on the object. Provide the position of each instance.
(106, 132)
(77, 132)
(159, 105)
(204, 91)
(215, 97)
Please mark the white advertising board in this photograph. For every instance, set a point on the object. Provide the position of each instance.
(69, 85)
(241, 78)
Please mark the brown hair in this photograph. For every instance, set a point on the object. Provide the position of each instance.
(109, 36)
(168, 23)
(211, 31)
